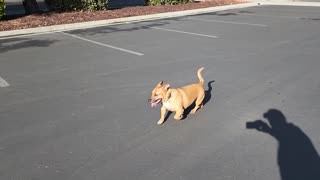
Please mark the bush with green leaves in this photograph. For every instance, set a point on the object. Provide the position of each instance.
(93, 5)
(76, 5)
(167, 2)
(2, 7)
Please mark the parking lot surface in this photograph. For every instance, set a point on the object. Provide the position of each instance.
(73, 105)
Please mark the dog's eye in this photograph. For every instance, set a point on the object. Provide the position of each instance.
(156, 94)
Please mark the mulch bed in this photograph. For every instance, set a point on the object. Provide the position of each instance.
(56, 18)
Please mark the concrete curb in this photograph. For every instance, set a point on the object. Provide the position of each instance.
(90, 24)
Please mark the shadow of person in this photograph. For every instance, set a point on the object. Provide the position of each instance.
(297, 157)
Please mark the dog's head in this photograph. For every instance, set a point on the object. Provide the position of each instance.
(159, 93)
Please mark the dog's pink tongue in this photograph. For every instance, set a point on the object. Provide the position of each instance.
(154, 104)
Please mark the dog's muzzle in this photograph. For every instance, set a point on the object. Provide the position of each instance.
(155, 102)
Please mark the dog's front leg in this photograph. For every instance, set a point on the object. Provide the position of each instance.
(163, 112)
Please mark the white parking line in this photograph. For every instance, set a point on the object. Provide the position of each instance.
(228, 22)
(3, 83)
(105, 45)
(184, 32)
(264, 15)
(289, 10)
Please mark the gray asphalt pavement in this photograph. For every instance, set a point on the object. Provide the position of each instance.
(307, 1)
(76, 105)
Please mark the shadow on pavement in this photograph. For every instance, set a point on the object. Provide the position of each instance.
(297, 156)
(208, 93)
(20, 43)
(122, 28)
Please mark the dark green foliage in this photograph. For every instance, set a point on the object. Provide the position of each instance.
(2, 7)
(167, 2)
(76, 5)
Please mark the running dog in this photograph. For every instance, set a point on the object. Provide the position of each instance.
(178, 99)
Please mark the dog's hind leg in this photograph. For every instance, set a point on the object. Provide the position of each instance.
(198, 104)
(179, 114)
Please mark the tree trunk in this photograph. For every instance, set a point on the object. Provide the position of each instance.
(30, 6)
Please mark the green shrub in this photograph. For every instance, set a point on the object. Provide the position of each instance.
(76, 5)
(2, 7)
(93, 5)
(167, 2)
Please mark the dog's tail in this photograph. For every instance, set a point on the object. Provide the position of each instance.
(201, 80)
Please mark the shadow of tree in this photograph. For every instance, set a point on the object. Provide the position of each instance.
(222, 13)
(297, 156)
(247, 12)
(312, 19)
(219, 13)
(19, 43)
(225, 14)
(122, 28)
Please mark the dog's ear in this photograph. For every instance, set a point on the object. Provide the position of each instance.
(166, 87)
(160, 84)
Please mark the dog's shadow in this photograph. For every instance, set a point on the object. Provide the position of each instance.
(208, 93)
(208, 96)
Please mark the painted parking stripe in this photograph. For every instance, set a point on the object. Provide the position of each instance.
(228, 22)
(265, 15)
(105, 45)
(289, 10)
(3, 83)
(185, 32)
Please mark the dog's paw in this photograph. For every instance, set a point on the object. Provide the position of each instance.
(178, 117)
(193, 111)
(160, 122)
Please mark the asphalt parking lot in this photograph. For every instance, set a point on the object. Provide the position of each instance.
(73, 105)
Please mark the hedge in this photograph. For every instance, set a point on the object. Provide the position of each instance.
(76, 5)
(2, 7)
(167, 2)
(91, 5)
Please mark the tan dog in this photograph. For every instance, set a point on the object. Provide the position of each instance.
(178, 99)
